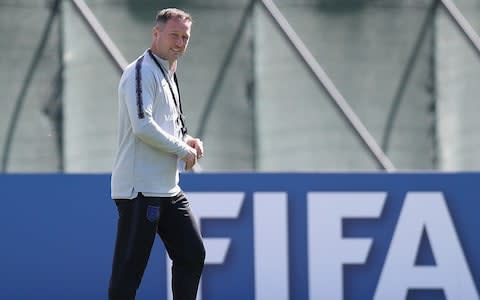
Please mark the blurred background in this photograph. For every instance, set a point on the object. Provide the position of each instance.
(270, 86)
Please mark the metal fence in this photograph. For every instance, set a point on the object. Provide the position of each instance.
(269, 85)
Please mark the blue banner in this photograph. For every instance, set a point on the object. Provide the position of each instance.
(267, 236)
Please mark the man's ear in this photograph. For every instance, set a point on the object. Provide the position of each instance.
(156, 31)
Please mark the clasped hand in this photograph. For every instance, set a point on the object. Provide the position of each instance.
(194, 153)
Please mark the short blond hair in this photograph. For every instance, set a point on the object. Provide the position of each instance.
(169, 13)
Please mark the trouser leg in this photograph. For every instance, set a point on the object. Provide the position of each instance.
(136, 229)
(184, 245)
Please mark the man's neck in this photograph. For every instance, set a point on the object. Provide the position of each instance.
(171, 65)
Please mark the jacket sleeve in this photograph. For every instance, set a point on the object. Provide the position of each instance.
(138, 89)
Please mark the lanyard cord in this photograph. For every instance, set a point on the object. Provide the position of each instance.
(178, 105)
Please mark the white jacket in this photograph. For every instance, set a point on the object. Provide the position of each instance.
(149, 136)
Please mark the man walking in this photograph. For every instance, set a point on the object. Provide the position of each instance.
(152, 145)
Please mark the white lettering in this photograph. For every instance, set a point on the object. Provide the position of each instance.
(270, 219)
(209, 206)
(328, 251)
(425, 211)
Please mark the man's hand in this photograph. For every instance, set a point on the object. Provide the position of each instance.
(190, 159)
(197, 144)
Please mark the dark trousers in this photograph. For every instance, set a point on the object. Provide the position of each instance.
(139, 221)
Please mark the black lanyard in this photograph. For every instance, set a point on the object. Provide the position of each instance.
(178, 105)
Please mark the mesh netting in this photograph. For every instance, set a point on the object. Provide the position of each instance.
(403, 66)
(30, 80)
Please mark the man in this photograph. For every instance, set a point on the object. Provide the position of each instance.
(152, 144)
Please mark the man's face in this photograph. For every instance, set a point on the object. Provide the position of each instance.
(170, 40)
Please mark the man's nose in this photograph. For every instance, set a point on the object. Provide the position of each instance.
(180, 42)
